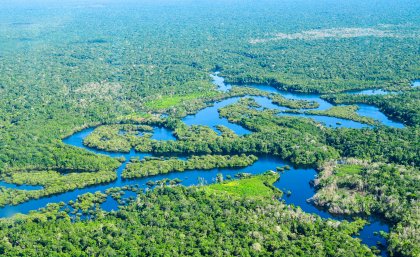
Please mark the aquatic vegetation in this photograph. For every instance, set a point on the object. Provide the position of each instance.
(86, 202)
(154, 166)
(110, 138)
(402, 106)
(53, 183)
(66, 69)
(275, 98)
(345, 112)
(263, 225)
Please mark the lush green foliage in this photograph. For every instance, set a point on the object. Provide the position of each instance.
(53, 183)
(298, 140)
(64, 68)
(344, 112)
(392, 191)
(275, 98)
(257, 186)
(84, 73)
(154, 166)
(378, 144)
(402, 106)
(173, 100)
(184, 222)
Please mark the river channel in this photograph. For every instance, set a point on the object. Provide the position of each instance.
(296, 180)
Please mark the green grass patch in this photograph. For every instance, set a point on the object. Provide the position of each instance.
(134, 117)
(348, 169)
(257, 186)
(167, 101)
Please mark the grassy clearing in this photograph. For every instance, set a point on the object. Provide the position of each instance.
(168, 101)
(257, 186)
(348, 169)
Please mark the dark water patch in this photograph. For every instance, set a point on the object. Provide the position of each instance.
(24, 39)
(323, 105)
(81, 57)
(97, 41)
(130, 194)
(364, 109)
(297, 190)
(77, 140)
(266, 103)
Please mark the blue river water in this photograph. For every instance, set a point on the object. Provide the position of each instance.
(210, 117)
(364, 109)
(369, 92)
(203, 118)
(296, 180)
(20, 187)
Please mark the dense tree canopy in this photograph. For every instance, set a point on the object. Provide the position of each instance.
(69, 65)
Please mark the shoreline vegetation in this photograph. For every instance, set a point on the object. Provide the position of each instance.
(201, 210)
(358, 187)
(129, 71)
(152, 166)
(348, 112)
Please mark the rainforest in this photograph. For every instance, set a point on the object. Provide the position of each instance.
(209, 128)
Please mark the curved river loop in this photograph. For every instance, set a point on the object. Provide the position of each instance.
(296, 180)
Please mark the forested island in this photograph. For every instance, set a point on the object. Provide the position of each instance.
(209, 128)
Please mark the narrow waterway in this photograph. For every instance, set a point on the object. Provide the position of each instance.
(296, 180)
(364, 109)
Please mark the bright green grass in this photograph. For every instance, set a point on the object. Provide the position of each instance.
(248, 187)
(348, 169)
(168, 101)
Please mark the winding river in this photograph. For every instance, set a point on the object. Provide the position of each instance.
(296, 180)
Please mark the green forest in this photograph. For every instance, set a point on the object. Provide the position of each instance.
(125, 70)
(356, 186)
(158, 223)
